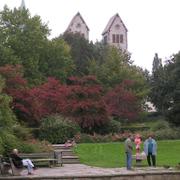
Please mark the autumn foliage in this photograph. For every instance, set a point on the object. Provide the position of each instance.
(85, 102)
(122, 102)
(81, 99)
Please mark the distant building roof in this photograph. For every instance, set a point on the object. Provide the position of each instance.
(110, 23)
(78, 14)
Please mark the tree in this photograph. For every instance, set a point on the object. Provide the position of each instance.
(159, 94)
(113, 69)
(122, 102)
(33, 104)
(56, 60)
(85, 104)
(7, 118)
(23, 40)
(157, 64)
(173, 69)
(82, 52)
(117, 67)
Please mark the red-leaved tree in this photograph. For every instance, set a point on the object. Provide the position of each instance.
(121, 101)
(85, 102)
(32, 104)
(41, 101)
(81, 100)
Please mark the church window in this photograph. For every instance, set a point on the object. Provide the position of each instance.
(117, 38)
(121, 38)
(114, 38)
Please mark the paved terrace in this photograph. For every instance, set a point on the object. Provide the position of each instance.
(84, 172)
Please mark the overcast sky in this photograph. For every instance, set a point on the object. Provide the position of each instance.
(153, 25)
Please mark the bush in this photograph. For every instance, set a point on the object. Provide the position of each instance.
(57, 129)
(163, 134)
(160, 125)
(112, 126)
(9, 142)
(97, 138)
(22, 132)
(84, 138)
(134, 129)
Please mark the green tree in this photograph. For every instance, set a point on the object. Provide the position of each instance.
(56, 61)
(159, 94)
(23, 40)
(157, 64)
(173, 69)
(115, 67)
(82, 52)
(7, 117)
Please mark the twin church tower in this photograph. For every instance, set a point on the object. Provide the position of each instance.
(115, 32)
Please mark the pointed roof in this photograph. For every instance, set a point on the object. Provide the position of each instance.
(78, 14)
(23, 6)
(110, 23)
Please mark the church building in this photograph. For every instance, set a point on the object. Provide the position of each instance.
(78, 25)
(115, 33)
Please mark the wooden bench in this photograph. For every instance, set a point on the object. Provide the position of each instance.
(36, 158)
(15, 171)
(4, 166)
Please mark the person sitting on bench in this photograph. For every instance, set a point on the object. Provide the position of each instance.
(19, 162)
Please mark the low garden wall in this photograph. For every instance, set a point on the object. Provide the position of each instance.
(132, 176)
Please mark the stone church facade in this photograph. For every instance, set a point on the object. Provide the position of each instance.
(78, 25)
(115, 32)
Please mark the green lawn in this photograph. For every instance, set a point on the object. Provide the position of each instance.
(112, 154)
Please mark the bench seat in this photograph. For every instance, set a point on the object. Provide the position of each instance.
(40, 157)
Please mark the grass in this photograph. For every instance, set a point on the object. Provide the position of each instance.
(113, 155)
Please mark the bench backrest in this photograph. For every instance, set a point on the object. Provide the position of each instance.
(37, 155)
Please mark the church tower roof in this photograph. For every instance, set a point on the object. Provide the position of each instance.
(73, 19)
(110, 23)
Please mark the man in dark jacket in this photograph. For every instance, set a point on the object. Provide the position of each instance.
(19, 162)
(128, 151)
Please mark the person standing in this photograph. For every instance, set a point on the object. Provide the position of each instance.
(128, 151)
(150, 148)
(138, 142)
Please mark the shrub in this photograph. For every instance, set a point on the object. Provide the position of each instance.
(167, 133)
(97, 138)
(57, 129)
(163, 134)
(112, 126)
(9, 142)
(84, 138)
(22, 132)
(160, 125)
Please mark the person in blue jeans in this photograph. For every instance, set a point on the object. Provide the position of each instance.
(19, 162)
(128, 151)
(150, 148)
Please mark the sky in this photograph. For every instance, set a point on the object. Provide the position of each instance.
(153, 25)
